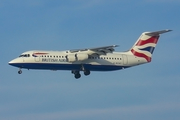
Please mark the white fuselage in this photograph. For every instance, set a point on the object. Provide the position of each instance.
(65, 60)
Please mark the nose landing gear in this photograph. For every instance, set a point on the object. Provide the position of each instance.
(20, 71)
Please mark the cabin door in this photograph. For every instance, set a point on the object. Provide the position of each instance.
(125, 60)
(36, 57)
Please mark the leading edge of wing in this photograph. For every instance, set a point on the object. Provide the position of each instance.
(94, 49)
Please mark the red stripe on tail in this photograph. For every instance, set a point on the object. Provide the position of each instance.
(153, 39)
(141, 55)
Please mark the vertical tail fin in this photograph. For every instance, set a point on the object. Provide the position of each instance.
(146, 44)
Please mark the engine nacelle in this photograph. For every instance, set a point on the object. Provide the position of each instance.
(81, 56)
(71, 58)
(77, 57)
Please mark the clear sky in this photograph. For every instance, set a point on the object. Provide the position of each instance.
(146, 92)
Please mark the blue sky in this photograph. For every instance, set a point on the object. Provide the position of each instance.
(148, 91)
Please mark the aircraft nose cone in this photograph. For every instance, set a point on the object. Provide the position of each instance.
(14, 62)
(11, 62)
(17, 62)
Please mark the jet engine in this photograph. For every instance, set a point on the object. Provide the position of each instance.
(71, 58)
(77, 57)
(81, 56)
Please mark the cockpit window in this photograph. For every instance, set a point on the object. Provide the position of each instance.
(25, 55)
(21, 56)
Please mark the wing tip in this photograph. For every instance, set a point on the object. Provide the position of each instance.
(115, 45)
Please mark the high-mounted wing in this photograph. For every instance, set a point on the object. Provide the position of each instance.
(98, 50)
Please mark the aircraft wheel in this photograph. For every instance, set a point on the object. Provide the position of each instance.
(20, 72)
(77, 75)
(86, 72)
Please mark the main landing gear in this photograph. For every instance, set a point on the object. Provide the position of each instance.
(86, 72)
(77, 74)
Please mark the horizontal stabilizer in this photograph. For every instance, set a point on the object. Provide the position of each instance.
(157, 32)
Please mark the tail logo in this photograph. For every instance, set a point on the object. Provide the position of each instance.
(145, 48)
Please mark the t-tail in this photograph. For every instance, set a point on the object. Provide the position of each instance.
(146, 44)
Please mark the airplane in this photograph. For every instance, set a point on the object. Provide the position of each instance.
(91, 59)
